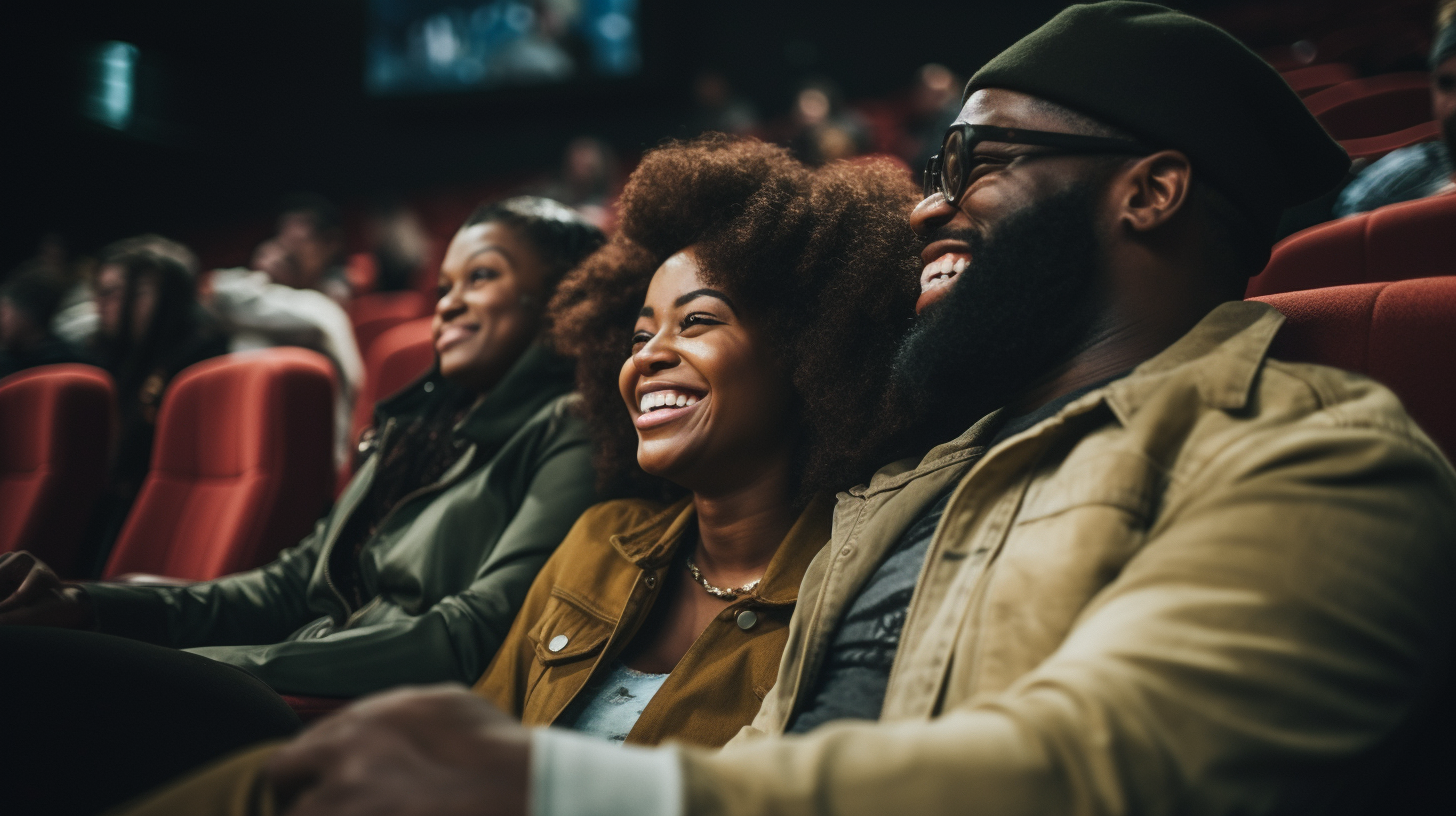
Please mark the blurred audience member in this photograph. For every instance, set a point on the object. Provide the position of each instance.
(587, 180)
(935, 100)
(311, 231)
(399, 245)
(1424, 169)
(270, 306)
(823, 130)
(149, 328)
(719, 109)
(28, 302)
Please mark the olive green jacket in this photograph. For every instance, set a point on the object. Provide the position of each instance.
(447, 569)
(1218, 585)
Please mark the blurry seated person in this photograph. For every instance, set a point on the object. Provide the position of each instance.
(311, 231)
(149, 328)
(272, 305)
(754, 362)
(478, 471)
(28, 301)
(1420, 170)
(1154, 571)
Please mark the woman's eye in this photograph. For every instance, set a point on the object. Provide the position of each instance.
(484, 274)
(641, 338)
(700, 319)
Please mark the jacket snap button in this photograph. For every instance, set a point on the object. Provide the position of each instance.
(746, 619)
(429, 386)
(650, 581)
(557, 644)
(846, 550)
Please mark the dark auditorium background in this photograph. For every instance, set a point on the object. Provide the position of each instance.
(237, 104)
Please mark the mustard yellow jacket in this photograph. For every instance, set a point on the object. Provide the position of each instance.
(596, 591)
(1217, 585)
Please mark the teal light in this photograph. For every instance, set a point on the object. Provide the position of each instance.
(114, 90)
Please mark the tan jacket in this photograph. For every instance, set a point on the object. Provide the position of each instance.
(1213, 586)
(597, 589)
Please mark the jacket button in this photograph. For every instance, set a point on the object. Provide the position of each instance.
(557, 644)
(650, 581)
(746, 619)
(846, 550)
(429, 386)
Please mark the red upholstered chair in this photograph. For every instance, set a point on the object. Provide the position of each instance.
(1313, 78)
(1412, 239)
(377, 313)
(1402, 334)
(1374, 147)
(56, 427)
(1375, 106)
(395, 360)
(242, 466)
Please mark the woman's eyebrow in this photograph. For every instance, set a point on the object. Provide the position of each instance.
(697, 293)
(491, 248)
(646, 312)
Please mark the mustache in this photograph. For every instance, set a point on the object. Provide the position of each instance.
(970, 236)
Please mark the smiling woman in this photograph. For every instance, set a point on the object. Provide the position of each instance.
(733, 343)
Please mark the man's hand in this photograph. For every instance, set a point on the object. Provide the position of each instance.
(31, 594)
(437, 750)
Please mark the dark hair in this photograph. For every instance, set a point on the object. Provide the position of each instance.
(561, 235)
(321, 212)
(177, 319)
(821, 259)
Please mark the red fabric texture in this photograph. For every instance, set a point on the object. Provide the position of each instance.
(309, 709)
(1401, 333)
(1374, 147)
(1313, 78)
(395, 360)
(242, 466)
(1412, 239)
(1375, 106)
(56, 429)
(375, 314)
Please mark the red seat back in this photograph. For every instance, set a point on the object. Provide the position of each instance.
(377, 313)
(1402, 334)
(1312, 78)
(1412, 239)
(395, 360)
(242, 466)
(1374, 147)
(56, 426)
(1375, 106)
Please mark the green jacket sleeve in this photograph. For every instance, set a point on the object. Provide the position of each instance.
(258, 606)
(1277, 627)
(454, 639)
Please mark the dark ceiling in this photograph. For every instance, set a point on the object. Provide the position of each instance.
(238, 103)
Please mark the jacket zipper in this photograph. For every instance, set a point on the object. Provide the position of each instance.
(328, 550)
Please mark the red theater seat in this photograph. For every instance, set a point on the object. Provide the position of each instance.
(1374, 147)
(242, 467)
(1402, 334)
(1383, 104)
(1412, 239)
(1313, 78)
(56, 425)
(395, 360)
(375, 314)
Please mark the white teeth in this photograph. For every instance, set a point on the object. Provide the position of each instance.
(960, 265)
(665, 399)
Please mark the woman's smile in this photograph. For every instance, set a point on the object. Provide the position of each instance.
(661, 403)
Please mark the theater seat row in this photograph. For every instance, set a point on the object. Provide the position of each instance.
(241, 467)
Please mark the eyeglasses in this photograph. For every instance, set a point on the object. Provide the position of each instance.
(952, 170)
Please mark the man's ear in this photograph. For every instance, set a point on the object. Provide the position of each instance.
(1150, 191)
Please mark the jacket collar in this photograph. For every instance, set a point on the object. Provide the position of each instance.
(1224, 353)
(653, 543)
(539, 376)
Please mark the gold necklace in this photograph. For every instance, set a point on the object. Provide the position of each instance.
(720, 592)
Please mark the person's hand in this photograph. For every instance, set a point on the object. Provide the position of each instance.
(437, 750)
(31, 594)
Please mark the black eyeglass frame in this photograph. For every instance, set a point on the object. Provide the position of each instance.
(1066, 144)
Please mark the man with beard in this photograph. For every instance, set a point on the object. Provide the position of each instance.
(1159, 573)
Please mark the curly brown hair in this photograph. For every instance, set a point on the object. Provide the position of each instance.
(822, 260)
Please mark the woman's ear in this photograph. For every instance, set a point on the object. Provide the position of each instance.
(1149, 192)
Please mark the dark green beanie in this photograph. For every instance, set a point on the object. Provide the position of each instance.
(1177, 82)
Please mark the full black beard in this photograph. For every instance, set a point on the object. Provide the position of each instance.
(1026, 304)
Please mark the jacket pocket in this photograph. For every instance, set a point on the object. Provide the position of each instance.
(567, 632)
(1124, 480)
